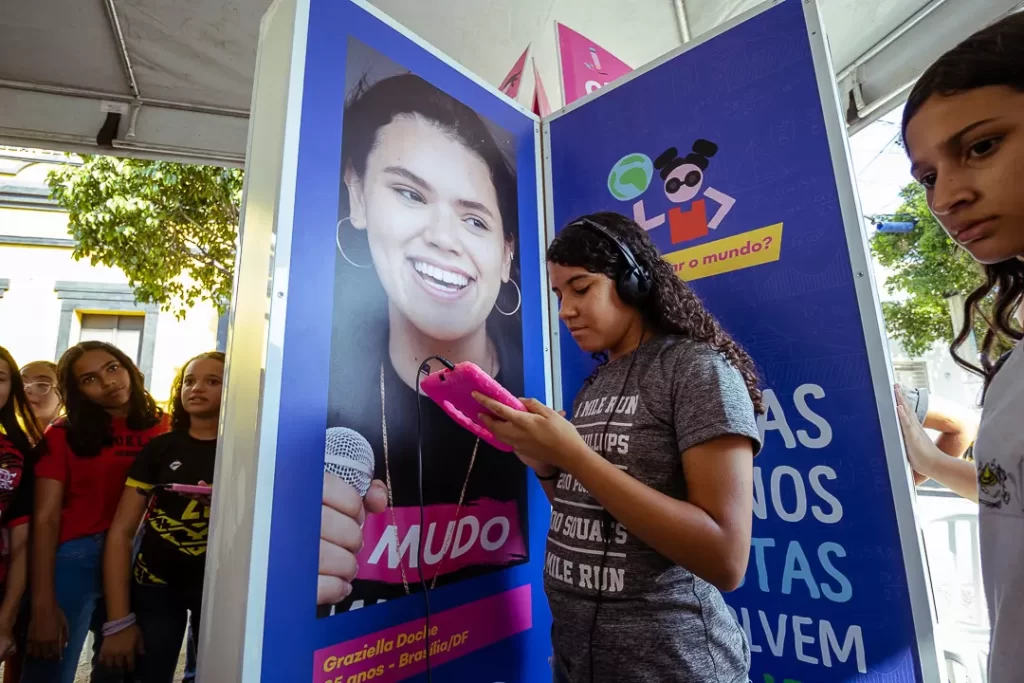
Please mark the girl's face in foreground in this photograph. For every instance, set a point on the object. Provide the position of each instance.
(589, 305)
(967, 150)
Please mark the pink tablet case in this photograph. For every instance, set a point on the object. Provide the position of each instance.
(190, 489)
(453, 391)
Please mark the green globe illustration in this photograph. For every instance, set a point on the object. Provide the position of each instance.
(630, 176)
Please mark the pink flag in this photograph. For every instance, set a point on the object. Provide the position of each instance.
(510, 86)
(541, 106)
(585, 66)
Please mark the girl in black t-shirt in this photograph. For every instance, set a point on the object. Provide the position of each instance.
(149, 599)
(18, 433)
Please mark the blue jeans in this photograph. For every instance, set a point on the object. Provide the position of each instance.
(162, 613)
(78, 584)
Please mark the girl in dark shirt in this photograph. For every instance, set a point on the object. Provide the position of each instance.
(151, 612)
(18, 433)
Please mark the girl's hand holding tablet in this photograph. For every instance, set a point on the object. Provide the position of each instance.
(541, 437)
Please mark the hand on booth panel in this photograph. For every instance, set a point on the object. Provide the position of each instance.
(341, 537)
(927, 460)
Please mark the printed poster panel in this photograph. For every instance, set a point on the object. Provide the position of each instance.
(722, 154)
(415, 234)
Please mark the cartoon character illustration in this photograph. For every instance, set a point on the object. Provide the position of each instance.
(993, 485)
(683, 179)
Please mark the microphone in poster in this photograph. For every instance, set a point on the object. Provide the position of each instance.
(348, 456)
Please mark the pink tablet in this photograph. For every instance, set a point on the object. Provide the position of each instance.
(453, 391)
(190, 490)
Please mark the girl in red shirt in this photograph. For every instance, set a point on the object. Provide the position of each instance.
(83, 463)
(18, 433)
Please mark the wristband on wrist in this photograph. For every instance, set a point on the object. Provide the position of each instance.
(550, 477)
(118, 625)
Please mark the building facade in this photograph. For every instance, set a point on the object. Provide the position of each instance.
(49, 301)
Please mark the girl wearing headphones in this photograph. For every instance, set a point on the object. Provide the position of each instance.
(651, 482)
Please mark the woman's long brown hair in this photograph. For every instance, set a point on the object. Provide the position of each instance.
(16, 418)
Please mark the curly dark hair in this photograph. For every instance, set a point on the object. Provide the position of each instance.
(994, 56)
(180, 419)
(87, 424)
(673, 308)
(16, 418)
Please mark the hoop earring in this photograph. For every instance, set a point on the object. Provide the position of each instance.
(519, 300)
(337, 241)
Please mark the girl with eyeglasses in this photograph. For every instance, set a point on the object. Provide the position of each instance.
(18, 432)
(40, 378)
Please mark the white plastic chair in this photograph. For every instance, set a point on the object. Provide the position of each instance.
(953, 555)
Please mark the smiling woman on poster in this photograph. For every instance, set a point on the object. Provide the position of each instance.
(426, 265)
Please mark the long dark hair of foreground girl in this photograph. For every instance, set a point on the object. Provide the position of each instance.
(991, 57)
(674, 308)
(16, 418)
(88, 424)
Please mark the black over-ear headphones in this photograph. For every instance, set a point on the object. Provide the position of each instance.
(633, 284)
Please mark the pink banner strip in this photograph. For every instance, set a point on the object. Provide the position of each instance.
(399, 652)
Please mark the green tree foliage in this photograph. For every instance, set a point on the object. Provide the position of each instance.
(926, 267)
(172, 228)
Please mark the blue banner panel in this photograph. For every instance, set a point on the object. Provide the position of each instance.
(749, 213)
(415, 233)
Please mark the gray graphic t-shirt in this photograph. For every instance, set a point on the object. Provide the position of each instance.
(999, 455)
(657, 622)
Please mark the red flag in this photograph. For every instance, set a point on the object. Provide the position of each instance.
(510, 86)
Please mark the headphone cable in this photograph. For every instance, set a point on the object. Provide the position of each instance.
(424, 369)
(606, 517)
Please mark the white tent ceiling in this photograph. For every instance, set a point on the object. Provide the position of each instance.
(180, 71)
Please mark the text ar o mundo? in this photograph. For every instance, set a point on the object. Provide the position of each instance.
(745, 250)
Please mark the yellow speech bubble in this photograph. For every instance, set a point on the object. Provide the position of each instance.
(741, 251)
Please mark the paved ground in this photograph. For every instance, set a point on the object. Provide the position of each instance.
(84, 668)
